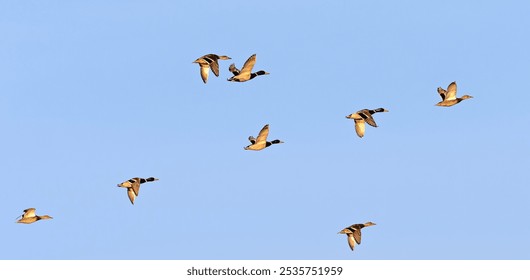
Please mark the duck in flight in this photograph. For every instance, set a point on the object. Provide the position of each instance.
(207, 62)
(261, 142)
(133, 186)
(362, 116)
(354, 233)
(449, 96)
(245, 73)
(29, 217)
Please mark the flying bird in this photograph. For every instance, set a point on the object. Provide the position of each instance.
(133, 186)
(362, 116)
(354, 233)
(208, 62)
(449, 96)
(245, 73)
(29, 217)
(261, 142)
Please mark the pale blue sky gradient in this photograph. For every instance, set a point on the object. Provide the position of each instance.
(93, 93)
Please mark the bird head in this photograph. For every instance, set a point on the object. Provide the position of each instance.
(367, 224)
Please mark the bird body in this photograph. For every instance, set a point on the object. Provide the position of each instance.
(207, 62)
(362, 116)
(449, 96)
(245, 74)
(261, 142)
(29, 217)
(354, 233)
(133, 186)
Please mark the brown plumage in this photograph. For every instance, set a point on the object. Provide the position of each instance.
(261, 142)
(29, 217)
(362, 116)
(133, 186)
(207, 62)
(246, 72)
(449, 96)
(354, 233)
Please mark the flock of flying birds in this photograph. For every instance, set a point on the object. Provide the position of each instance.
(210, 62)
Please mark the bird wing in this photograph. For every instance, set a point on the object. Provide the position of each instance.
(234, 69)
(451, 91)
(252, 140)
(442, 92)
(209, 58)
(249, 64)
(263, 134)
(359, 127)
(369, 120)
(28, 213)
(357, 236)
(367, 117)
(130, 193)
(351, 241)
(136, 188)
(205, 71)
(214, 65)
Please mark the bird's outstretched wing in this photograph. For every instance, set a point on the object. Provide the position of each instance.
(249, 64)
(263, 134)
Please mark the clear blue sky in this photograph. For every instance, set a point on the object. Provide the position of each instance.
(94, 93)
